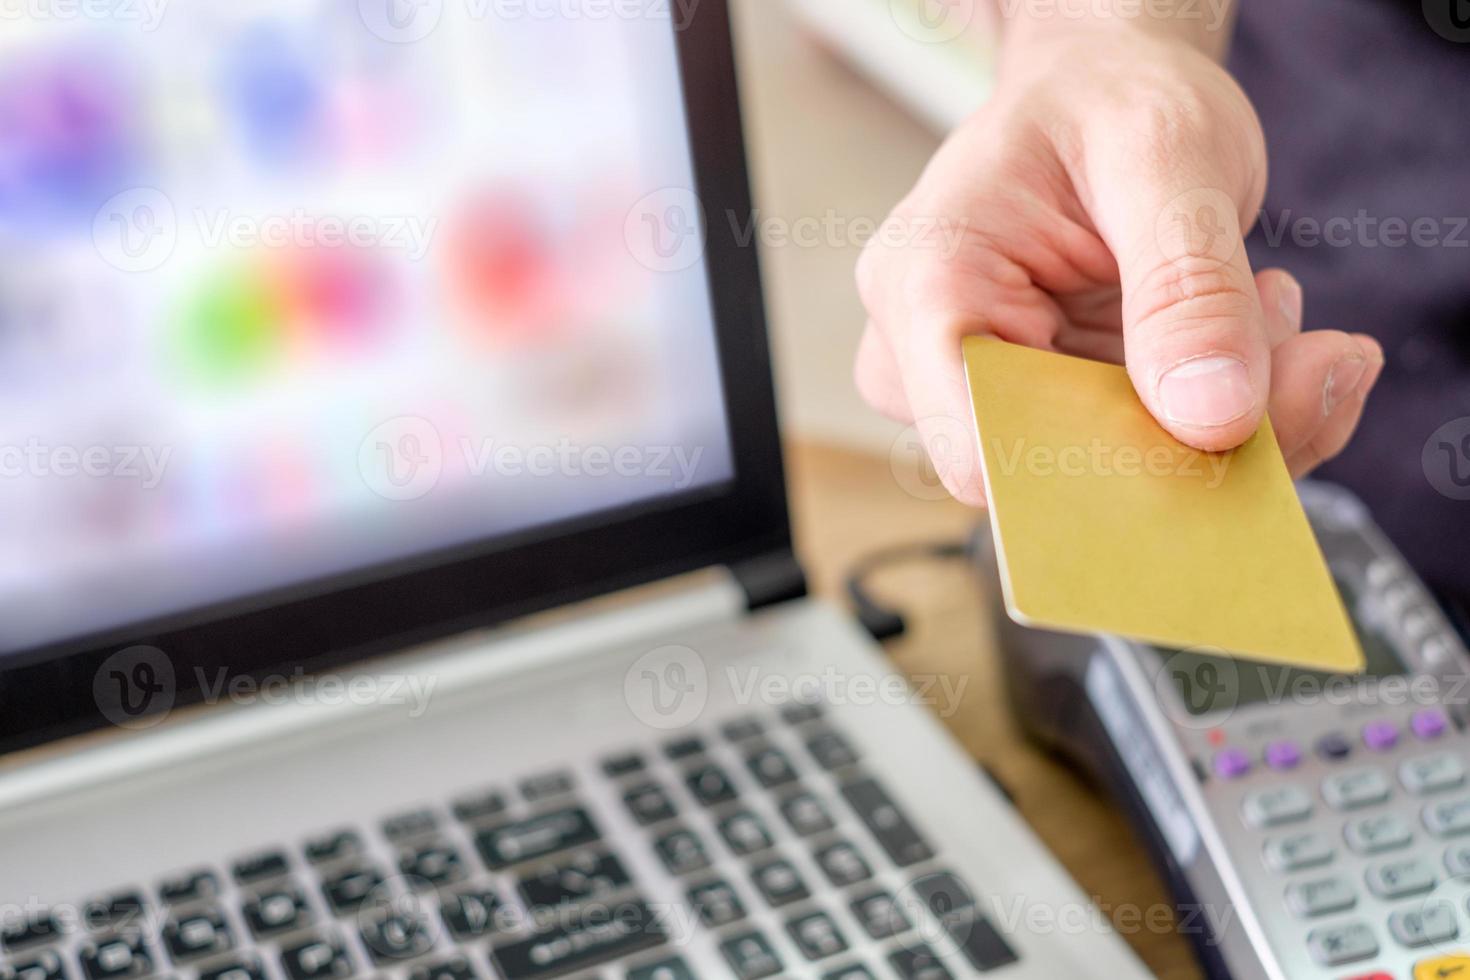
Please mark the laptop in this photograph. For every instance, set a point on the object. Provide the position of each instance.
(396, 572)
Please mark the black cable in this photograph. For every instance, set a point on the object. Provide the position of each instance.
(881, 620)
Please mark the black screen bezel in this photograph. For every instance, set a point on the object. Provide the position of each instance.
(49, 694)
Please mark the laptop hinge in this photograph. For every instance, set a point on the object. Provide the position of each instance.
(771, 578)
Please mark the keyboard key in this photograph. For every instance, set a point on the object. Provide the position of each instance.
(45, 965)
(742, 728)
(886, 822)
(710, 786)
(842, 864)
(115, 958)
(536, 837)
(261, 867)
(192, 886)
(350, 889)
(716, 903)
(684, 748)
(414, 823)
(880, 915)
(118, 912)
(681, 851)
(623, 765)
(1449, 818)
(816, 935)
(1433, 922)
(778, 883)
(197, 935)
(918, 962)
(1457, 860)
(1294, 852)
(601, 935)
(587, 875)
(546, 785)
(1378, 833)
(672, 968)
(1334, 747)
(951, 902)
(853, 971)
(23, 932)
(831, 750)
(751, 957)
(770, 767)
(805, 814)
(315, 958)
(479, 806)
(455, 968)
(1355, 788)
(1320, 896)
(274, 912)
(1401, 878)
(745, 833)
(1275, 806)
(245, 968)
(474, 914)
(432, 864)
(649, 804)
(333, 847)
(393, 936)
(1336, 945)
(1432, 773)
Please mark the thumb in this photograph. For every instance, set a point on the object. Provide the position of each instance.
(1194, 333)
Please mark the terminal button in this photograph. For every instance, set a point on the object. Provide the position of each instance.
(1297, 851)
(1453, 967)
(1334, 746)
(1283, 755)
(1382, 832)
(1432, 773)
(1428, 724)
(1346, 943)
(1275, 806)
(1448, 819)
(1320, 896)
(1401, 878)
(1355, 788)
(1380, 736)
(1434, 922)
(1232, 763)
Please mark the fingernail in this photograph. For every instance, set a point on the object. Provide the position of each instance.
(1207, 391)
(1290, 298)
(1342, 381)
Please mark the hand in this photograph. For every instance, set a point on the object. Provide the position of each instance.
(1098, 203)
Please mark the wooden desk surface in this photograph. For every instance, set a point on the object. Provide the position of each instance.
(847, 505)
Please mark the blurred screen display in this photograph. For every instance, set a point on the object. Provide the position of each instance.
(295, 289)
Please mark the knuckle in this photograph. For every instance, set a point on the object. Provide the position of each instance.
(1176, 296)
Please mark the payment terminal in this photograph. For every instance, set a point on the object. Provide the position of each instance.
(1309, 825)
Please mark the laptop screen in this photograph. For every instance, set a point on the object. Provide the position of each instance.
(294, 290)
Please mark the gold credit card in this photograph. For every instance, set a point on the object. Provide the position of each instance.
(1105, 523)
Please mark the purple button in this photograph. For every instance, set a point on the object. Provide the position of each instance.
(1380, 735)
(1283, 755)
(1428, 723)
(1231, 763)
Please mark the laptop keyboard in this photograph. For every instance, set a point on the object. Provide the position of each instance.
(521, 883)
